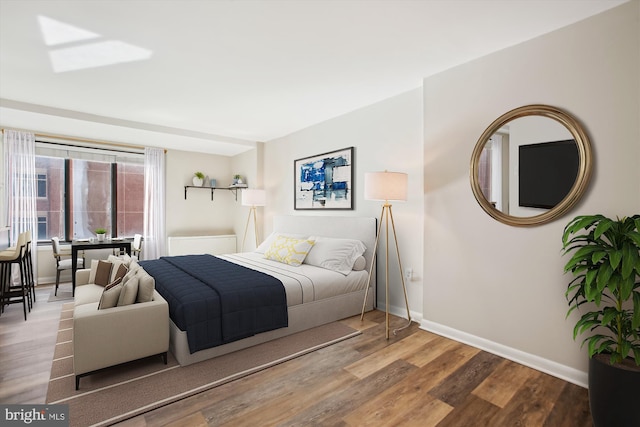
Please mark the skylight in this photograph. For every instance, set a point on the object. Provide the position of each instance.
(56, 32)
(95, 55)
(82, 55)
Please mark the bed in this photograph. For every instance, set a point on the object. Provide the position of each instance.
(318, 291)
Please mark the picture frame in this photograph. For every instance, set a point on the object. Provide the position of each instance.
(324, 181)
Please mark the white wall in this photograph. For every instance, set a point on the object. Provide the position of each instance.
(386, 135)
(198, 214)
(249, 165)
(502, 287)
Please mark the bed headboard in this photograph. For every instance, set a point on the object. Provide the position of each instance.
(361, 228)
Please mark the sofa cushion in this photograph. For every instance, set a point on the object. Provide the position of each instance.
(124, 259)
(100, 272)
(129, 291)
(87, 294)
(116, 267)
(146, 286)
(119, 271)
(133, 268)
(110, 295)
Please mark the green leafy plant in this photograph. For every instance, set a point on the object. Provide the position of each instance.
(100, 231)
(199, 175)
(606, 265)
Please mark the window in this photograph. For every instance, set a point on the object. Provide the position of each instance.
(130, 199)
(88, 188)
(42, 226)
(41, 184)
(51, 206)
(90, 197)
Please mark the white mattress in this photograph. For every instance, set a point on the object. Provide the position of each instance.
(306, 283)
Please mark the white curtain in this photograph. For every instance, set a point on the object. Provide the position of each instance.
(154, 204)
(20, 186)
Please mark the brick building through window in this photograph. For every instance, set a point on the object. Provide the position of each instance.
(78, 195)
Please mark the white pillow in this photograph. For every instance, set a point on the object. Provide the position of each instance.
(264, 246)
(335, 254)
(360, 264)
(289, 250)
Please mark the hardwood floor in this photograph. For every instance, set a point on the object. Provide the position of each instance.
(415, 378)
(26, 348)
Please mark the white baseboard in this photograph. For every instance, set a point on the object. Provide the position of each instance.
(401, 312)
(547, 366)
(47, 280)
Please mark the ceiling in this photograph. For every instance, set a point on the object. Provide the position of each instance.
(218, 75)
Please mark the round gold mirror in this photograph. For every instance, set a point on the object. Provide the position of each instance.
(531, 165)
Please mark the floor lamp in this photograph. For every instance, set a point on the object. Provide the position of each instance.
(386, 186)
(252, 198)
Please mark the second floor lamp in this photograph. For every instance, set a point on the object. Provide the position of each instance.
(252, 198)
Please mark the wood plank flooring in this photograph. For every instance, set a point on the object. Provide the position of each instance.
(415, 378)
(26, 348)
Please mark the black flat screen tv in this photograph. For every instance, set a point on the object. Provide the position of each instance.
(547, 171)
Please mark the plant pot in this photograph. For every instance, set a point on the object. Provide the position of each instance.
(198, 181)
(614, 393)
(101, 237)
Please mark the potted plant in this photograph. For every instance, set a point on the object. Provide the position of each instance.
(100, 233)
(198, 179)
(237, 179)
(606, 264)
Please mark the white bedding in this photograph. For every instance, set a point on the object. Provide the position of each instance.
(305, 283)
(315, 295)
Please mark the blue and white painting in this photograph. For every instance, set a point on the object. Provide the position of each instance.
(324, 181)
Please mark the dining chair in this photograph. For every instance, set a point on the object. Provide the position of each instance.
(136, 246)
(63, 260)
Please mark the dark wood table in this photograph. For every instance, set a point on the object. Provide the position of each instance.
(84, 245)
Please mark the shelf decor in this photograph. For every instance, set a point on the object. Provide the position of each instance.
(324, 181)
(198, 179)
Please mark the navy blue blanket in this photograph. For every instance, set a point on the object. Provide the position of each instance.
(216, 301)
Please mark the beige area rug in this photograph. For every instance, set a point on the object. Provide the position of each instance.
(127, 390)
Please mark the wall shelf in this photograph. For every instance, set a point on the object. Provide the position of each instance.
(232, 188)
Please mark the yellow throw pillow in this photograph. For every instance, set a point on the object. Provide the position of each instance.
(289, 250)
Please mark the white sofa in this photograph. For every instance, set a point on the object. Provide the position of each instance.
(108, 337)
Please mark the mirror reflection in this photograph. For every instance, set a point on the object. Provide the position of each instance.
(528, 166)
(531, 165)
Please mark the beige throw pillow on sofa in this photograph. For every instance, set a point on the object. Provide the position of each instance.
(129, 291)
(146, 286)
(110, 295)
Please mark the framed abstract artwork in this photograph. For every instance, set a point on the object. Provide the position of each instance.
(324, 181)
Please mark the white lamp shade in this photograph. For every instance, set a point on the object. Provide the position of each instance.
(385, 186)
(252, 197)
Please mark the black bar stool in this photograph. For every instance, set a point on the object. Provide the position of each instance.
(11, 293)
(28, 267)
